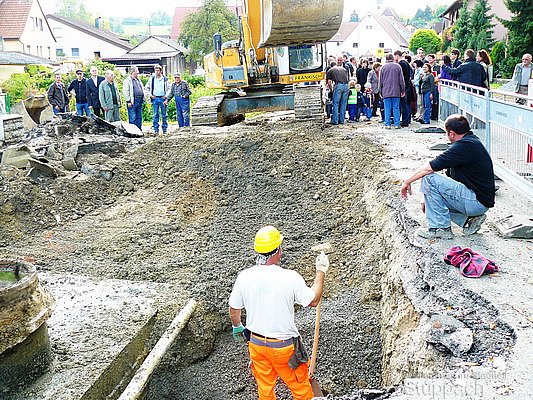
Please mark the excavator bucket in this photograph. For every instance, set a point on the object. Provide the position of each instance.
(291, 22)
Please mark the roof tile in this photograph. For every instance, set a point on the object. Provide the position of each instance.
(13, 17)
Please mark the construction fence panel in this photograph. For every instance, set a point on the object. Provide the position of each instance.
(503, 124)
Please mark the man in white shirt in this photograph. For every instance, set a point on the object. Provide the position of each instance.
(268, 293)
(523, 72)
(93, 88)
(156, 89)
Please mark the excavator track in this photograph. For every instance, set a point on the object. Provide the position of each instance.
(206, 111)
(308, 103)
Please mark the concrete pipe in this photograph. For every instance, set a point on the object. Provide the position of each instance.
(24, 308)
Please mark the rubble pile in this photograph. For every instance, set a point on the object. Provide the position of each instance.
(70, 147)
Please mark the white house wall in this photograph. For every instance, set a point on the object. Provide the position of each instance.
(368, 35)
(69, 38)
(36, 38)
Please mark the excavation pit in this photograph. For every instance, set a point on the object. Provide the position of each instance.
(182, 211)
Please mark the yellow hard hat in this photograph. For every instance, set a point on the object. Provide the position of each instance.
(267, 239)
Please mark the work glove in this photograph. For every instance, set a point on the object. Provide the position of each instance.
(322, 262)
(238, 334)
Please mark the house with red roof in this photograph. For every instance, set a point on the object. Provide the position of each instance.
(24, 29)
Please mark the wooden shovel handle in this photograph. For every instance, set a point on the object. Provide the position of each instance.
(315, 340)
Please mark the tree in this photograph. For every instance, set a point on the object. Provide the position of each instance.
(481, 26)
(74, 9)
(160, 18)
(497, 55)
(447, 37)
(115, 25)
(426, 39)
(520, 28)
(197, 28)
(354, 17)
(462, 32)
(422, 18)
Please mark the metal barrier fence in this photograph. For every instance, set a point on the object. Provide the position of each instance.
(503, 125)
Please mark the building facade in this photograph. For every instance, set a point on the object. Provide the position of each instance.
(24, 29)
(81, 40)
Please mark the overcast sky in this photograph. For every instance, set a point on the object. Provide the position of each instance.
(139, 8)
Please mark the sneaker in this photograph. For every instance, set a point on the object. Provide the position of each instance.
(388, 127)
(398, 127)
(424, 123)
(473, 224)
(435, 233)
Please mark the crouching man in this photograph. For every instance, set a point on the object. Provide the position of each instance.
(465, 194)
(268, 293)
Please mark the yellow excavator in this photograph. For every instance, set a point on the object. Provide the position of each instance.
(275, 64)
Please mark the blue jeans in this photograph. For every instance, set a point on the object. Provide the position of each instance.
(56, 111)
(448, 200)
(392, 106)
(183, 111)
(135, 113)
(353, 112)
(83, 107)
(426, 101)
(340, 102)
(405, 110)
(159, 109)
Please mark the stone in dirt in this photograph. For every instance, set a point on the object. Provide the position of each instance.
(16, 157)
(450, 333)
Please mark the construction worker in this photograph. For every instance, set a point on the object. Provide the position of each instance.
(268, 293)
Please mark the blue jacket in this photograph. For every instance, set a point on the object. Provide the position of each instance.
(470, 72)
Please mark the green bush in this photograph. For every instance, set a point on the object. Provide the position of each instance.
(426, 39)
(37, 79)
(497, 56)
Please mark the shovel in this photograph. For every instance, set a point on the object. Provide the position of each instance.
(317, 391)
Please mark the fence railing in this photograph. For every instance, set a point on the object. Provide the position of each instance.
(503, 124)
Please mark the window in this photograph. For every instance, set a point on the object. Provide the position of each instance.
(49, 52)
(28, 49)
(97, 54)
(33, 23)
(41, 24)
(381, 45)
(355, 45)
(338, 43)
(368, 27)
(75, 52)
(60, 52)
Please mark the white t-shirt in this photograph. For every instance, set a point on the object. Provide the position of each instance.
(268, 293)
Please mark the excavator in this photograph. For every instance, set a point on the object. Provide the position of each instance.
(276, 63)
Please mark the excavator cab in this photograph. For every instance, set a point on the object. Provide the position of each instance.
(281, 44)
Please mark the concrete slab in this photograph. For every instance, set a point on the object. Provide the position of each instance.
(98, 331)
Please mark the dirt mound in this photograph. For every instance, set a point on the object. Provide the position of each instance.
(184, 210)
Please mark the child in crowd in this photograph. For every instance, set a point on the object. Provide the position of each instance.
(367, 101)
(353, 100)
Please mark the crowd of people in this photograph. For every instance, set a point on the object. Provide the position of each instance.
(101, 96)
(403, 87)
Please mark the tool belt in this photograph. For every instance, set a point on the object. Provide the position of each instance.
(261, 340)
(300, 355)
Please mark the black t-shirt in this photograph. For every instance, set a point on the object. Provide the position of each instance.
(337, 74)
(467, 161)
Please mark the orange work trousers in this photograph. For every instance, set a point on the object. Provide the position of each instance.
(269, 363)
